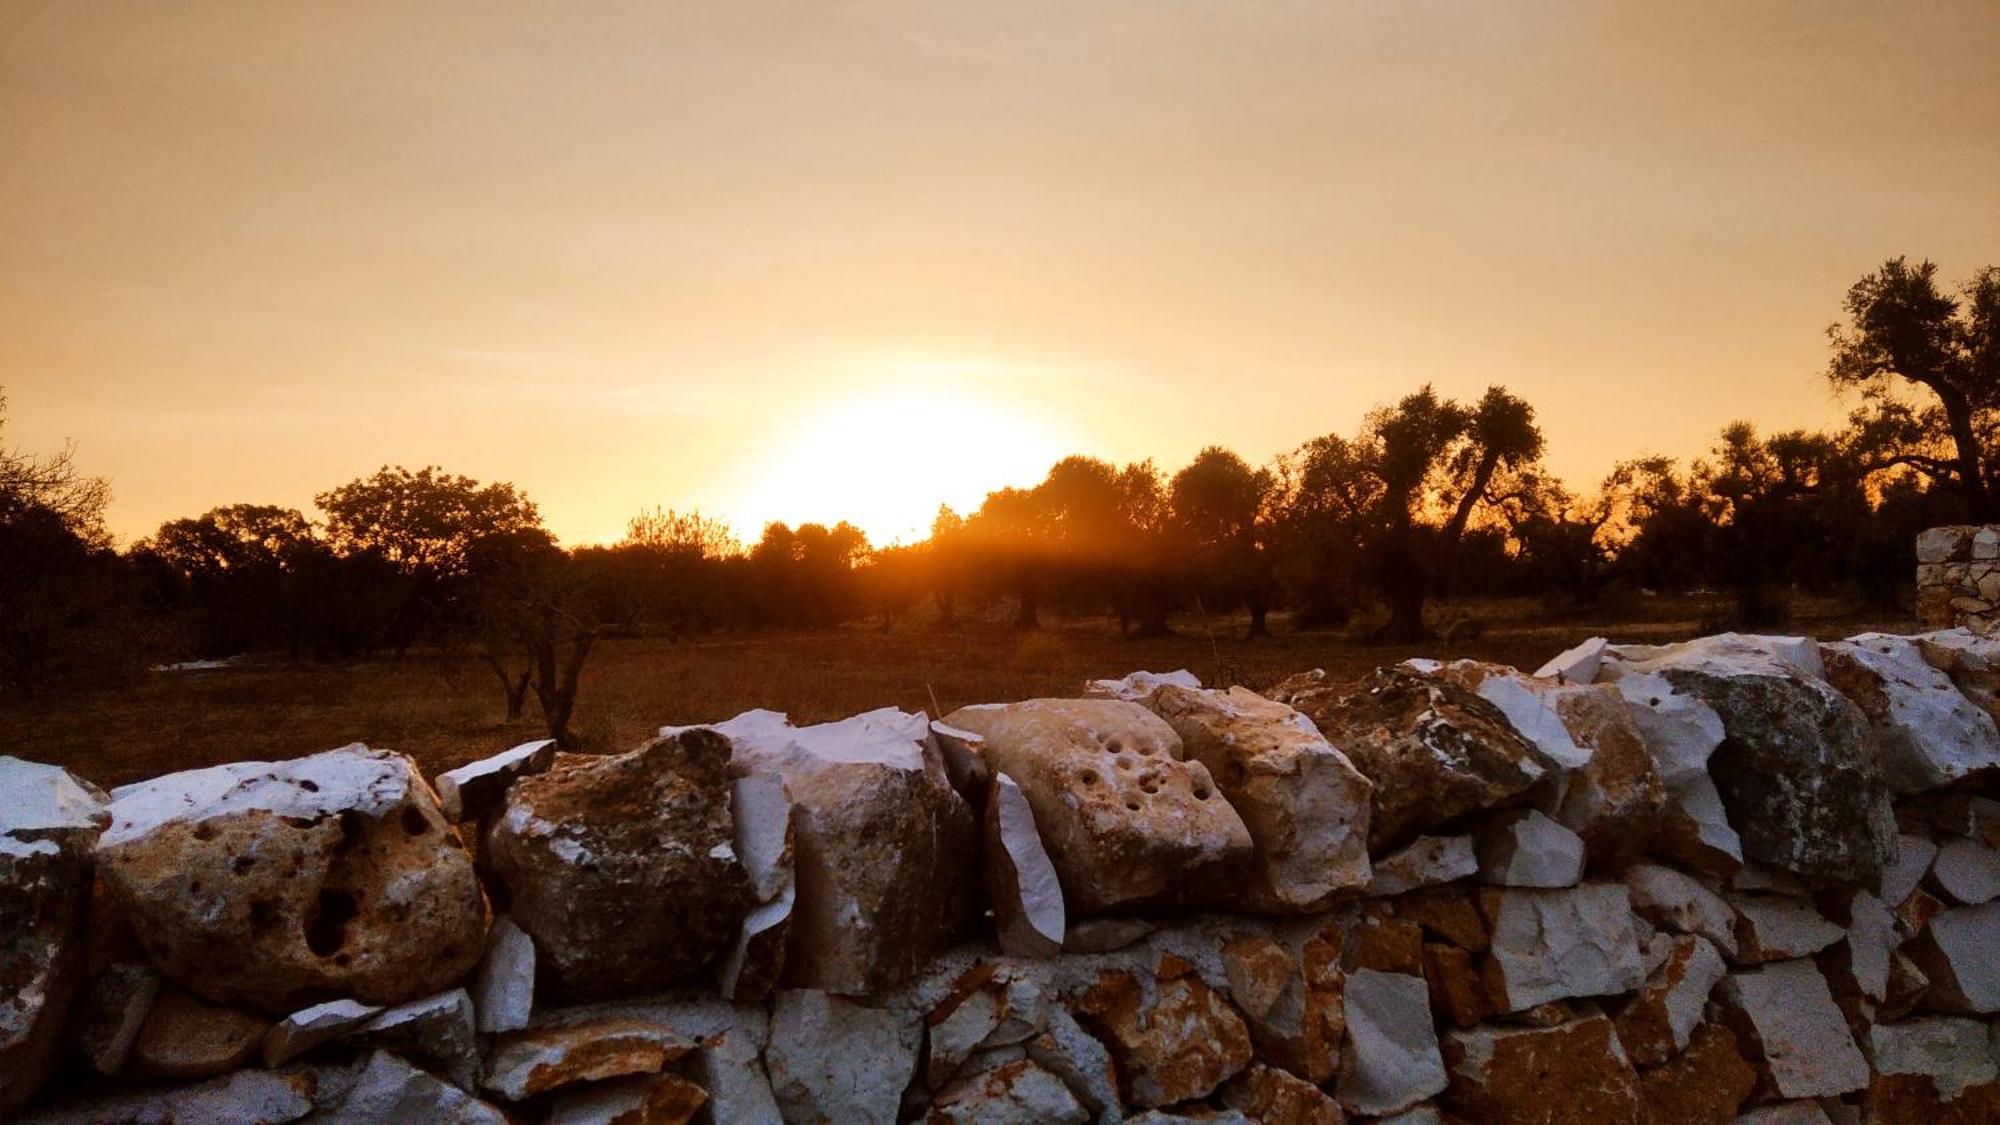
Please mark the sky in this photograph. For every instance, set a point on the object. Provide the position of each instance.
(807, 261)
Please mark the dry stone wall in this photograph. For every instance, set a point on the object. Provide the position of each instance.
(1738, 879)
(1958, 577)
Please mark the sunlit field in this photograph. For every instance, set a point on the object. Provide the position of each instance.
(445, 709)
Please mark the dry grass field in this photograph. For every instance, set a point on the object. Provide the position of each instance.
(446, 709)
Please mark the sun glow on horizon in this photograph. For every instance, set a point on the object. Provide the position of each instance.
(885, 462)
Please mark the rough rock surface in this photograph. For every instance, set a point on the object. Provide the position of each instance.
(1935, 1069)
(765, 843)
(656, 1099)
(1680, 903)
(1655, 1024)
(1956, 951)
(1019, 1092)
(1288, 987)
(1778, 928)
(1303, 802)
(309, 1027)
(1912, 861)
(185, 1038)
(884, 848)
(1176, 1041)
(1704, 1085)
(1967, 872)
(831, 1060)
(1269, 1095)
(622, 868)
(1972, 660)
(1927, 733)
(1617, 800)
(1681, 733)
(277, 884)
(1787, 1023)
(474, 790)
(1021, 880)
(1124, 819)
(1434, 750)
(1426, 861)
(437, 1031)
(1573, 1072)
(1084, 1064)
(247, 1097)
(1391, 1060)
(1552, 945)
(527, 1063)
(389, 1089)
(1523, 848)
(503, 987)
(108, 1017)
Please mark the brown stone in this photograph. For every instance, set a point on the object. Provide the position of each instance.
(1706, 1085)
(1575, 1074)
(1290, 995)
(1177, 1042)
(527, 1063)
(1434, 750)
(1449, 914)
(274, 885)
(185, 1038)
(1916, 911)
(623, 868)
(1617, 800)
(655, 1099)
(1458, 996)
(1654, 1025)
(1273, 1097)
(1386, 943)
(1123, 818)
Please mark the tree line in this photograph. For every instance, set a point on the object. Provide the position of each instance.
(1429, 498)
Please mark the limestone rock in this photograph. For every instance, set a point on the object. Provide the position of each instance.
(113, 1008)
(1678, 902)
(475, 790)
(1949, 1056)
(727, 1065)
(1912, 861)
(48, 821)
(623, 868)
(1776, 928)
(1656, 1023)
(503, 987)
(1967, 872)
(1551, 945)
(1426, 861)
(1140, 687)
(656, 1099)
(1434, 751)
(1173, 1042)
(1523, 848)
(1303, 803)
(1104, 935)
(526, 1063)
(247, 1097)
(185, 1038)
(1617, 800)
(1577, 664)
(762, 811)
(275, 884)
(438, 1030)
(1972, 660)
(1865, 957)
(1391, 1060)
(1288, 987)
(831, 1060)
(1956, 951)
(1786, 1113)
(1124, 819)
(1458, 996)
(1273, 1097)
(1015, 1093)
(884, 848)
(1786, 1021)
(309, 1027)
(1927, 733)
(1083, 1063)
(1945, 544)
(1574, 1072)
(1681, 733)
(1449, 914)
(1021, 880)
(1704, 1085)
(1384, 942)
(389, 1089)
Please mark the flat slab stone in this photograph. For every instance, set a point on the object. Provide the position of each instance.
(1426, 861)
(309, 1027)
(833, 1060)
(1526, 849)
(1785, 1017)
(247, 1097)
(476, 789)
(1956, 951)
(1391, 1061)
(1928, 733)
(1554, 945)
(503, 987)
(526, 1063)
(1573, 1072)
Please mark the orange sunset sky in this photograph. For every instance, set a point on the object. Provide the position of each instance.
(807, 261)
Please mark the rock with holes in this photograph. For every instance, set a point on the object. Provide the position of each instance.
(1555, 945)
(526, 1063)
(473, 791)
(185, 1038)
(623, 868)
(1434, 750)
(832, 1060)
(1304, 804)
(1784, 1017)
(1927, 733)
(48, 821)
(272, 885)
(1173, 1041)
(1574, 1072)
(1391, 1061)
(884, 849)
(1124, 819)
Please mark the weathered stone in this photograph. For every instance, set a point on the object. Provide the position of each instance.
(1916, 911)
(623, 868)
(1124, 819)
(885, 850)
(1083, 1063)
(988, 1006)
(1913, 859)
(1021, 880)
(1458, 995)
(389, 1089)
(1655, 1024)
(764, 840)
(1551, 945)
(1618, 800)
(1681, 733)
(277, 884)
(1952, 814)
(185, 1038)
(1386, 943)
(1945, 544)
(112, 1010)
(1434, 750)
(1303, 803)
(1574, 1073)
(1273, 1097)
(1020, 1092)
(1668, 898)
(527, 1063)
(48, 821)
(1103, 935)
(1967, 872)
(1956, 951)
(1391, 1060)
(1140, 687)
(309, 1027)
(1175, 1041)
(1927, 733)
(1926, 1064)
(1972, 660)
(503, 987)
(1775, 928)
(477, 789)
(1871, 940)
(831, 1060)
(1705, 1085)
(1786, 1113)
(728, 1064)
(1786, 1021)
(1523, 848)
(1426, 861)
(1449, 914)
(437, 1030)
(1290, 995)
(247, 1097)
(1577, 664)
(655, 1099)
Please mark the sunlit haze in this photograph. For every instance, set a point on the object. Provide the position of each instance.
(853, 260)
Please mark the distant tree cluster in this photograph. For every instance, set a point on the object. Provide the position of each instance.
(1431, 498)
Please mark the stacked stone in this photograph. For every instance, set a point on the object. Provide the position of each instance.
(1958, 577)
(1741, 878)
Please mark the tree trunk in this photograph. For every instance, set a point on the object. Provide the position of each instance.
(1971, 467)
(1026, 615)
(1260, 609)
